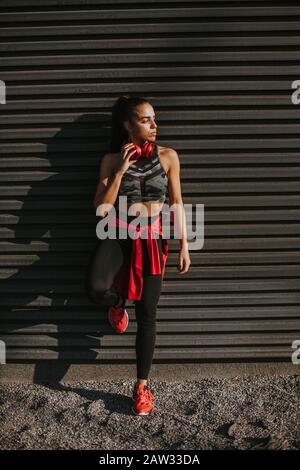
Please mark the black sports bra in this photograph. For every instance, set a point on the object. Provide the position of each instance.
(145, 180)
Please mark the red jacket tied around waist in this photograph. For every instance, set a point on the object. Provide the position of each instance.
(129, 279)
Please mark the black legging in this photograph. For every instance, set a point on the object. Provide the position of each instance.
(104, 264)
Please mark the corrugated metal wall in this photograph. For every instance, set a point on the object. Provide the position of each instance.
(219, 75)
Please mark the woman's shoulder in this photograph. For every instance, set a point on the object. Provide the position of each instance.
(111, 159)
(167, 152)
(167, 156)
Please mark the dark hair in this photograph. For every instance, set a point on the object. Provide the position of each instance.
(122, 110)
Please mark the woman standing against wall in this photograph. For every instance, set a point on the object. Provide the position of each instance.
(130, 268)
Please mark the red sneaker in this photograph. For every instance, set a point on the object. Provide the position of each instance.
(134, 389)
(143, 400)
(118, 318)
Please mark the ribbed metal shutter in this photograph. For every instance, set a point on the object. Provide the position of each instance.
(219, 75)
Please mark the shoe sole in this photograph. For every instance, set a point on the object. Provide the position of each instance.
(143, 413)
(112, 325)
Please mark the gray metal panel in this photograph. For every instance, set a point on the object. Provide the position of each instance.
(219, 74)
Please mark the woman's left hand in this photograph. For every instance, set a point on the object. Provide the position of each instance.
(184, 260)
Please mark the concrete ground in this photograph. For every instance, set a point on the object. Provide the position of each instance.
(245, 412)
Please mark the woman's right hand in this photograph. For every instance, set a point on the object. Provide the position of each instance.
(127, 150)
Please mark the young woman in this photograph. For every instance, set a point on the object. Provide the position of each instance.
(133, 268)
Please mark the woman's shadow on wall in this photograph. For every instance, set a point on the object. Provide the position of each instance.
(49, 316)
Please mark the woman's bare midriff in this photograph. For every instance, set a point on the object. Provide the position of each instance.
(145, 208)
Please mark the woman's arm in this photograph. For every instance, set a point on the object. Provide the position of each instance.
(175, 197)
(109, 182)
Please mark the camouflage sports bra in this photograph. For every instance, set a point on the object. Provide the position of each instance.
(145, 180)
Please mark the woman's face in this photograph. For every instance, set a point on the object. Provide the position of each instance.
(144, 126)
